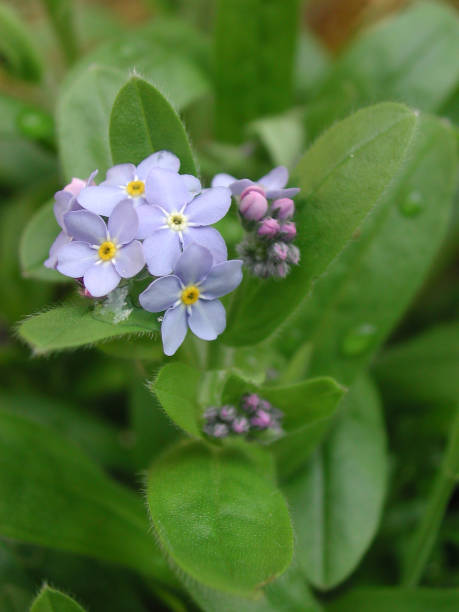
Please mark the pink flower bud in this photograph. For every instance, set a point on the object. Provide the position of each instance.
(293, 254)
(253, 204)
(75, 186)
(282, 269)
(269, 227)
(283, 208)
(288, 230)
(279, 251)
(262, 420)
(255, 188)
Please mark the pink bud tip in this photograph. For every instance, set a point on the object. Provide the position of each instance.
(75, 186)
(269, 227)
(288, 230)
(284, 208)
(255, 188)
(253, 205)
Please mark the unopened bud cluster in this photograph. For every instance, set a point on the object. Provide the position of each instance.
(253, 416)
(268, 248)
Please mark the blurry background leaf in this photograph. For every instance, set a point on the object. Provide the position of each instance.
(62, 18)
(19, 55)
(397, 600)
(282, 136)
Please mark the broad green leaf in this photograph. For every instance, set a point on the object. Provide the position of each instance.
(308, 407)
(138, 347)
(283, 137)
(219, 520)
(164, 54)
(142, 122)
(424, 369)
(76, 323)
(61, 16)
(19, 55)
(396, 600)
(52, 495)
(336, 500)
(357, 303)
(255, 46)
(51, 600)
(410, 58)
(342, 178)
(37, 237)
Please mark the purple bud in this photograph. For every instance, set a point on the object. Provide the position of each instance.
(253, 204)
(293, 254)
(279, 251)
(262, 419)
(241, 425)
(250, 402)
(283, 208)
(269, 227)
(282, 269)
(219, 430)
(265, 405)
(253, 187)
(288, 230)
(211, 414)
(227, 413)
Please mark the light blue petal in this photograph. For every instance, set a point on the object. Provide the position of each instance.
(209, 207)
(151, 219)
(85, 226)
(123, 223)
(160, 159)
(61, 239)
(192, 183)
(120, 175)
(166, 189)
(173, 329)
(193, 264)
(223, 180)
(74, 258)
(207, 319)
(101, 278)
(276, 179)
(222, 279)
(129, 259)
(162, 250)
(161, 294)
(238, 187)
(101, 199)
(275, 194)
(209, 238)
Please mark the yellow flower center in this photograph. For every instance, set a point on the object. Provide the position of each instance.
(135, 188)
(190, 295)
(107, 251)
(176, 221)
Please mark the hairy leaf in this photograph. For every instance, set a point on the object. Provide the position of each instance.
(51, 600)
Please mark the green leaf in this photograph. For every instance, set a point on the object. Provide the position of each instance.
(177, 388)
(357, 303)
(336, 500)
(218, 519)
(61, 16)
(19, 119)
(254, 53)
(51, 600)
(397, 600)
(52, 495)
(17, 153)
(410, 58)
(308, 407)
(312, 62)
(142, 122)
(37, 237)
(19, 55)
(424, 369)
(342, 178)
(282, 135)
(76, 323)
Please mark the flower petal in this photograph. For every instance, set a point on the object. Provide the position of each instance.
(223, 180)
(101, 278)
(275, 194)
(161, 250)
(160, 159)
(129, 259)
(207, 237)
(209, 207)
(101, 199)
(161, 294)
(166, 189)
(193, 264)
(151, 218)
(192, 183)
(85, 226)
(276, 179)
(207, 319)
(61, 239)
(64, 202)
(222, 279)
(238, 186)
(123, 223)
(120, 175)
(74, 258)
(173, 329)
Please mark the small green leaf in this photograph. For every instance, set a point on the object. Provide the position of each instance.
(76, 323)
(39, 234)
(52, 495)
(336, 500)
(142, 122)
(282, 135)
(18, 51)
(51, 600)
(342, 178)
(218, 519)
(397, 600)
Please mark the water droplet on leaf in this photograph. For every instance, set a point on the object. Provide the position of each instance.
(358, 339)
(412, 205)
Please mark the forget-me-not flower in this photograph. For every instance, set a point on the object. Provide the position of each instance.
(101, 253)
(273, 184)
(190, 296)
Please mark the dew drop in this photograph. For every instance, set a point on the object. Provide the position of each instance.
(358, 339)
(412, 205)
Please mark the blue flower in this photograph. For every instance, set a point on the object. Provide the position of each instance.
(189, 296)
(273, 184)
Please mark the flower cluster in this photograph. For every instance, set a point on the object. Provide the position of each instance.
(253, 416)
(266, 209)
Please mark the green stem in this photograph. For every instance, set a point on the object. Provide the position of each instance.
(426, 535)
